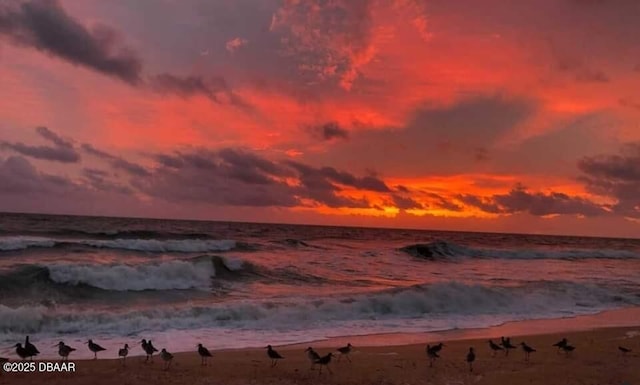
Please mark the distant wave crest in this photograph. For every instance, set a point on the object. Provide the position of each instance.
(133, 244)
(442, 250)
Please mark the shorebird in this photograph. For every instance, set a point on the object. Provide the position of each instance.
(624, 350)
(167, 358)
(568, 349)
(527, 350)
(95, 348)
(506, 344)
(324, 361)
(438, 347)
(561, 344)
(64, 350)
(31, 348)
(494, 347)
(471, 356)
(204, 354)
(124, 352)
(21, 352)
(313, 356)
(148, 348)
(275, 356)
(432, 353)
(344, 351)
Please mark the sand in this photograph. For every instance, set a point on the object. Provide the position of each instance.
(596, 361)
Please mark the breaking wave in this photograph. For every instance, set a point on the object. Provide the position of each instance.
(441, 250)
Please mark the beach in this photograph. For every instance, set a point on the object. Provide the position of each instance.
(596, 360)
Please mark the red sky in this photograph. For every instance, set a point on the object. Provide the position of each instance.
(509, 116)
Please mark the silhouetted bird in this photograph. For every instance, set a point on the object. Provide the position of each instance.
(31, 348)
(64, 350)
(167, 358)
(324, 361)
(204, 354)
(344, 351)
(527, 350)
(432, 353)
(506, 344)
(95, 348)
(21, 352)
(313, 356)
(148, 348)
(624, 350)
(471, 356)
(494, 348)
(124, 352)
(275, 356)
(561, 344)
(568, 349)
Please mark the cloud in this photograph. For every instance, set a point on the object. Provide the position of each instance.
(240, 178)
(61, 151)
(116, 162)
(99, 180)
(332, 130)
(520, 200)
(405, 203)
(616, 176)
(215, 88)
(19, 176)
(45, 26)
(234, 44)
(328, 39)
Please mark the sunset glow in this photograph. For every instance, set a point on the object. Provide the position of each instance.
(513, 116)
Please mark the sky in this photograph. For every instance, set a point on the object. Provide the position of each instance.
(502, 116)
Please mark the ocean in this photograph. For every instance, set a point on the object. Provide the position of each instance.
(236, 285)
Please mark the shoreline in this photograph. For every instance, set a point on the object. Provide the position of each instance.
(595, 361)
(616, 318)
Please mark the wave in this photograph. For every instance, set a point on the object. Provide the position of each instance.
(196, 273)
(133, 244)
(421, 305)
(442, 250)
(104, 234)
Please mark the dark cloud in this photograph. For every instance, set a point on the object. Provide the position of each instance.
(405, 203)
(214, 88)
(615, 176)
(61, 151)
(238, 177)
(441, 202)
(437, 139)
(117, 162)
(331, 131)
(330, 174)
(99, 180)
(186, 86)
(45, 26)
(485, 204)
(520, 200)
(228, 177)
(19, 177)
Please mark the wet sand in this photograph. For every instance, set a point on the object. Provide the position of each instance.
(596, 360)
